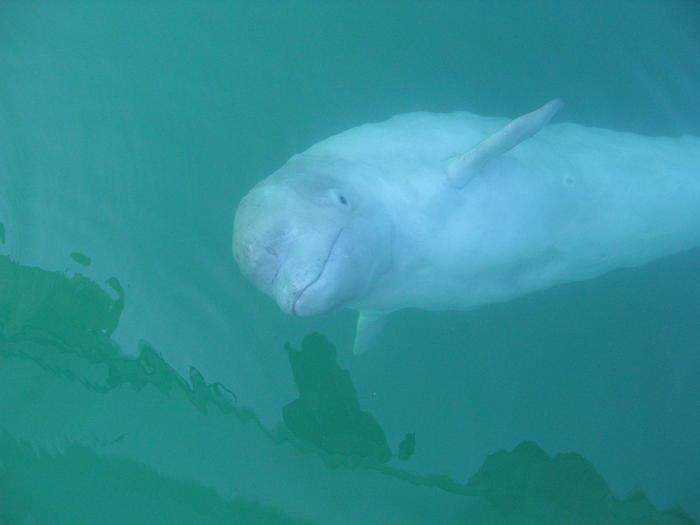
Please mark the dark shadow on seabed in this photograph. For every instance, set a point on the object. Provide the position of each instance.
(89, 435)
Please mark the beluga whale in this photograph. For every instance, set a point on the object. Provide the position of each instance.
(455, 211)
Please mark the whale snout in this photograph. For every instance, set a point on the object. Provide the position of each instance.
(299, 288)
(283, 251)
(290, 267)
(258, 264)
(256, 245)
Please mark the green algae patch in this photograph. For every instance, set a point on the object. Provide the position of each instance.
(327, 412)
(527, 486)
(73, 311)
(407, 446)
(78, 487)
(81, 258)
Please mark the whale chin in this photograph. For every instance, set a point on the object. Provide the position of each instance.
(314, 298)
(304, 307)
(305, 303)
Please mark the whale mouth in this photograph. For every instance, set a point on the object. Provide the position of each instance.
(300, 293)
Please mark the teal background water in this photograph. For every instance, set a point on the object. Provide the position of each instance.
(129, 132)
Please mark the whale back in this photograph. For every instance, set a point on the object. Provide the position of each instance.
(570, 203)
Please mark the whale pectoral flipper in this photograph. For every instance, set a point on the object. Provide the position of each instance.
(462, 169)
(369, 326)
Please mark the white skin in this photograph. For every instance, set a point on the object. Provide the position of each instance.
(420, 211)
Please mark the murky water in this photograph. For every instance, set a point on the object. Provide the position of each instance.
(143, 380)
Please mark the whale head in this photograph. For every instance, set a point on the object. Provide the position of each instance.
(314, 235)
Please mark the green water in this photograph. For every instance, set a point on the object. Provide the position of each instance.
(142, 380)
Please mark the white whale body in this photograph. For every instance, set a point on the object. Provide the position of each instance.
(455, 211)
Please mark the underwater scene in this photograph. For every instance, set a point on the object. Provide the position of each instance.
(349, 263)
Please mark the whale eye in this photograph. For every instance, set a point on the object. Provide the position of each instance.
(339, 198)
